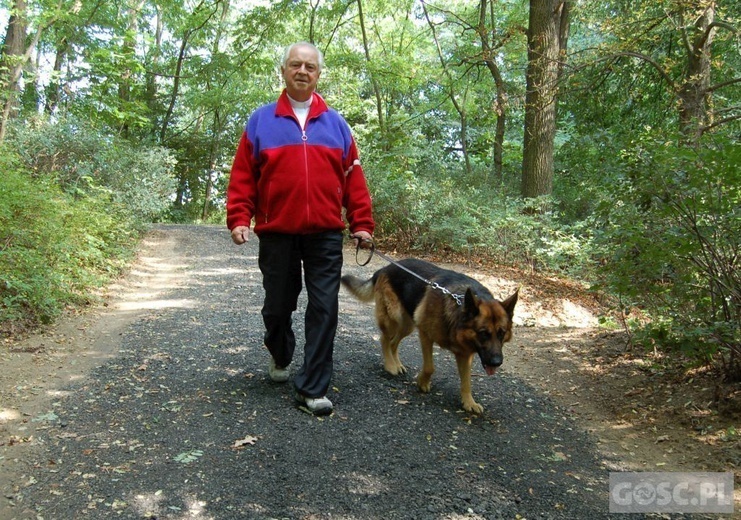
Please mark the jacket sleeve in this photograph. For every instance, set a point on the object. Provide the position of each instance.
(241, 193)
(357, 200)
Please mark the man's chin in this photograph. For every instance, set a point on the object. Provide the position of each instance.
(300, 94)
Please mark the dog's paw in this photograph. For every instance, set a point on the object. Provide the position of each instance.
(395, 369)
(424, 384)
(473, 407)
(392, 369)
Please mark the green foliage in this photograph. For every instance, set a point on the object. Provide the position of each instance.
(649, 218)
(440, 210)
(669, 231)
(85, 162)
(54, 247)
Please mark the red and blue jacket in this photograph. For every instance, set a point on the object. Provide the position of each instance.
(298, 180)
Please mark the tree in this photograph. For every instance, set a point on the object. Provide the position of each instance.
(450, 87)
(547, 36)
(687, 48)
(14, 56)
(373, 80)
(488, 49)
(694, 90)
(13, 59)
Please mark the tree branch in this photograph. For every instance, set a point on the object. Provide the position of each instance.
(720, 122)
(719, 86)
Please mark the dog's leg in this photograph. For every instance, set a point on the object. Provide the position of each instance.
(404, 327)
(428, 364)
(464, 371)
(394, 327)
(390, 347)
(397, 362)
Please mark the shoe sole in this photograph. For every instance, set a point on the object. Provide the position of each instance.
(301, 402)
(277, 375)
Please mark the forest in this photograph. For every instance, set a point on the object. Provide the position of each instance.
(597, 141)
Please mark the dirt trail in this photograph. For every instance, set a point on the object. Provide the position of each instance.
(156, 405)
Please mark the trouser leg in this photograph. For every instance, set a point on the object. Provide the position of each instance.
(280, 264)
(322, 263)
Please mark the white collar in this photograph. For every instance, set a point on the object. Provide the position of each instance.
(300, 104)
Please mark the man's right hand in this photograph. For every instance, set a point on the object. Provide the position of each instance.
(240, 234)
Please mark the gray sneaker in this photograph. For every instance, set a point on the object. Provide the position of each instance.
(276, 373)
(315, 405)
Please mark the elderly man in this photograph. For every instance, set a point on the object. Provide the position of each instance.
(295, 169)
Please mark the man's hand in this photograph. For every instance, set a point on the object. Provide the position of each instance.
(240, 234)
(364, 238)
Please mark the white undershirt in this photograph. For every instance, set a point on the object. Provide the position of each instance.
(301, 109)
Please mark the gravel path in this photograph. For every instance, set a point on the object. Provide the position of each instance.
(183, 421)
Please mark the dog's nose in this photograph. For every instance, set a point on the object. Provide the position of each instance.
(497, 360)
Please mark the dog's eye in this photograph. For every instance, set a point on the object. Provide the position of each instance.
(500, 334)
(484, 335)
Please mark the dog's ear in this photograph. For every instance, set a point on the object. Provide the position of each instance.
(509, 303)
(470, 304)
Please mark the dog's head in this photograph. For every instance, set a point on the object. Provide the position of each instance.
(487, 327)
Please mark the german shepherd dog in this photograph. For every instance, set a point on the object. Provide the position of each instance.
(480, 324)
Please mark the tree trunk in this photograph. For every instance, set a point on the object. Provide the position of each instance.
(155, 54)
(459, 107)
(548, 24)
(501, 106)
(11, 61)
(53, 91)
(218, 125)
(694, 93)
(178, 71)
(374, 82)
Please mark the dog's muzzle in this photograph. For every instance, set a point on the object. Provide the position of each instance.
(491, 365)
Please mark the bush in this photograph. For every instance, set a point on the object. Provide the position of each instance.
(55, 247)
(669, 232)
(86, 163)
(439, 210)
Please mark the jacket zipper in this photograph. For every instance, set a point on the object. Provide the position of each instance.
(305, 138)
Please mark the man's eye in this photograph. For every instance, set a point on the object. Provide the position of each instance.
(310, 68)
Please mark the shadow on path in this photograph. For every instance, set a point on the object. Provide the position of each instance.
(184, 423)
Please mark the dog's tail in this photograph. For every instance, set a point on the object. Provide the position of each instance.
(361, 289)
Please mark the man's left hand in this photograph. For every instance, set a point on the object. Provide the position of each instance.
(364, 238)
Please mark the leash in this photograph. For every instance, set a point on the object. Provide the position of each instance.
(372, 248)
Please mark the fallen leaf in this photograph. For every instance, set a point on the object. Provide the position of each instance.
(188, 456)
(249, 439)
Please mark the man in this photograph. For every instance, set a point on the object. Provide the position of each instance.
(295, 169)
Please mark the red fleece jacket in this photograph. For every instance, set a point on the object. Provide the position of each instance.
(294, 180)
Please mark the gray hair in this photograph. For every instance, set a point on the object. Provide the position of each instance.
(288, 49)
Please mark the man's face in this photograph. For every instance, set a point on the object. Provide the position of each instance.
(301, 72)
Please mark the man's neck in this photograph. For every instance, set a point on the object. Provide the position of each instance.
(295, 103)
(301, 109)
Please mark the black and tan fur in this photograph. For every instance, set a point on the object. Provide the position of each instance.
(480, 325)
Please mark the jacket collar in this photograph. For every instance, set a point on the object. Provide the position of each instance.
(284, 108)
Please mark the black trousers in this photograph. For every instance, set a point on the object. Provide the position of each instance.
(281, 259)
